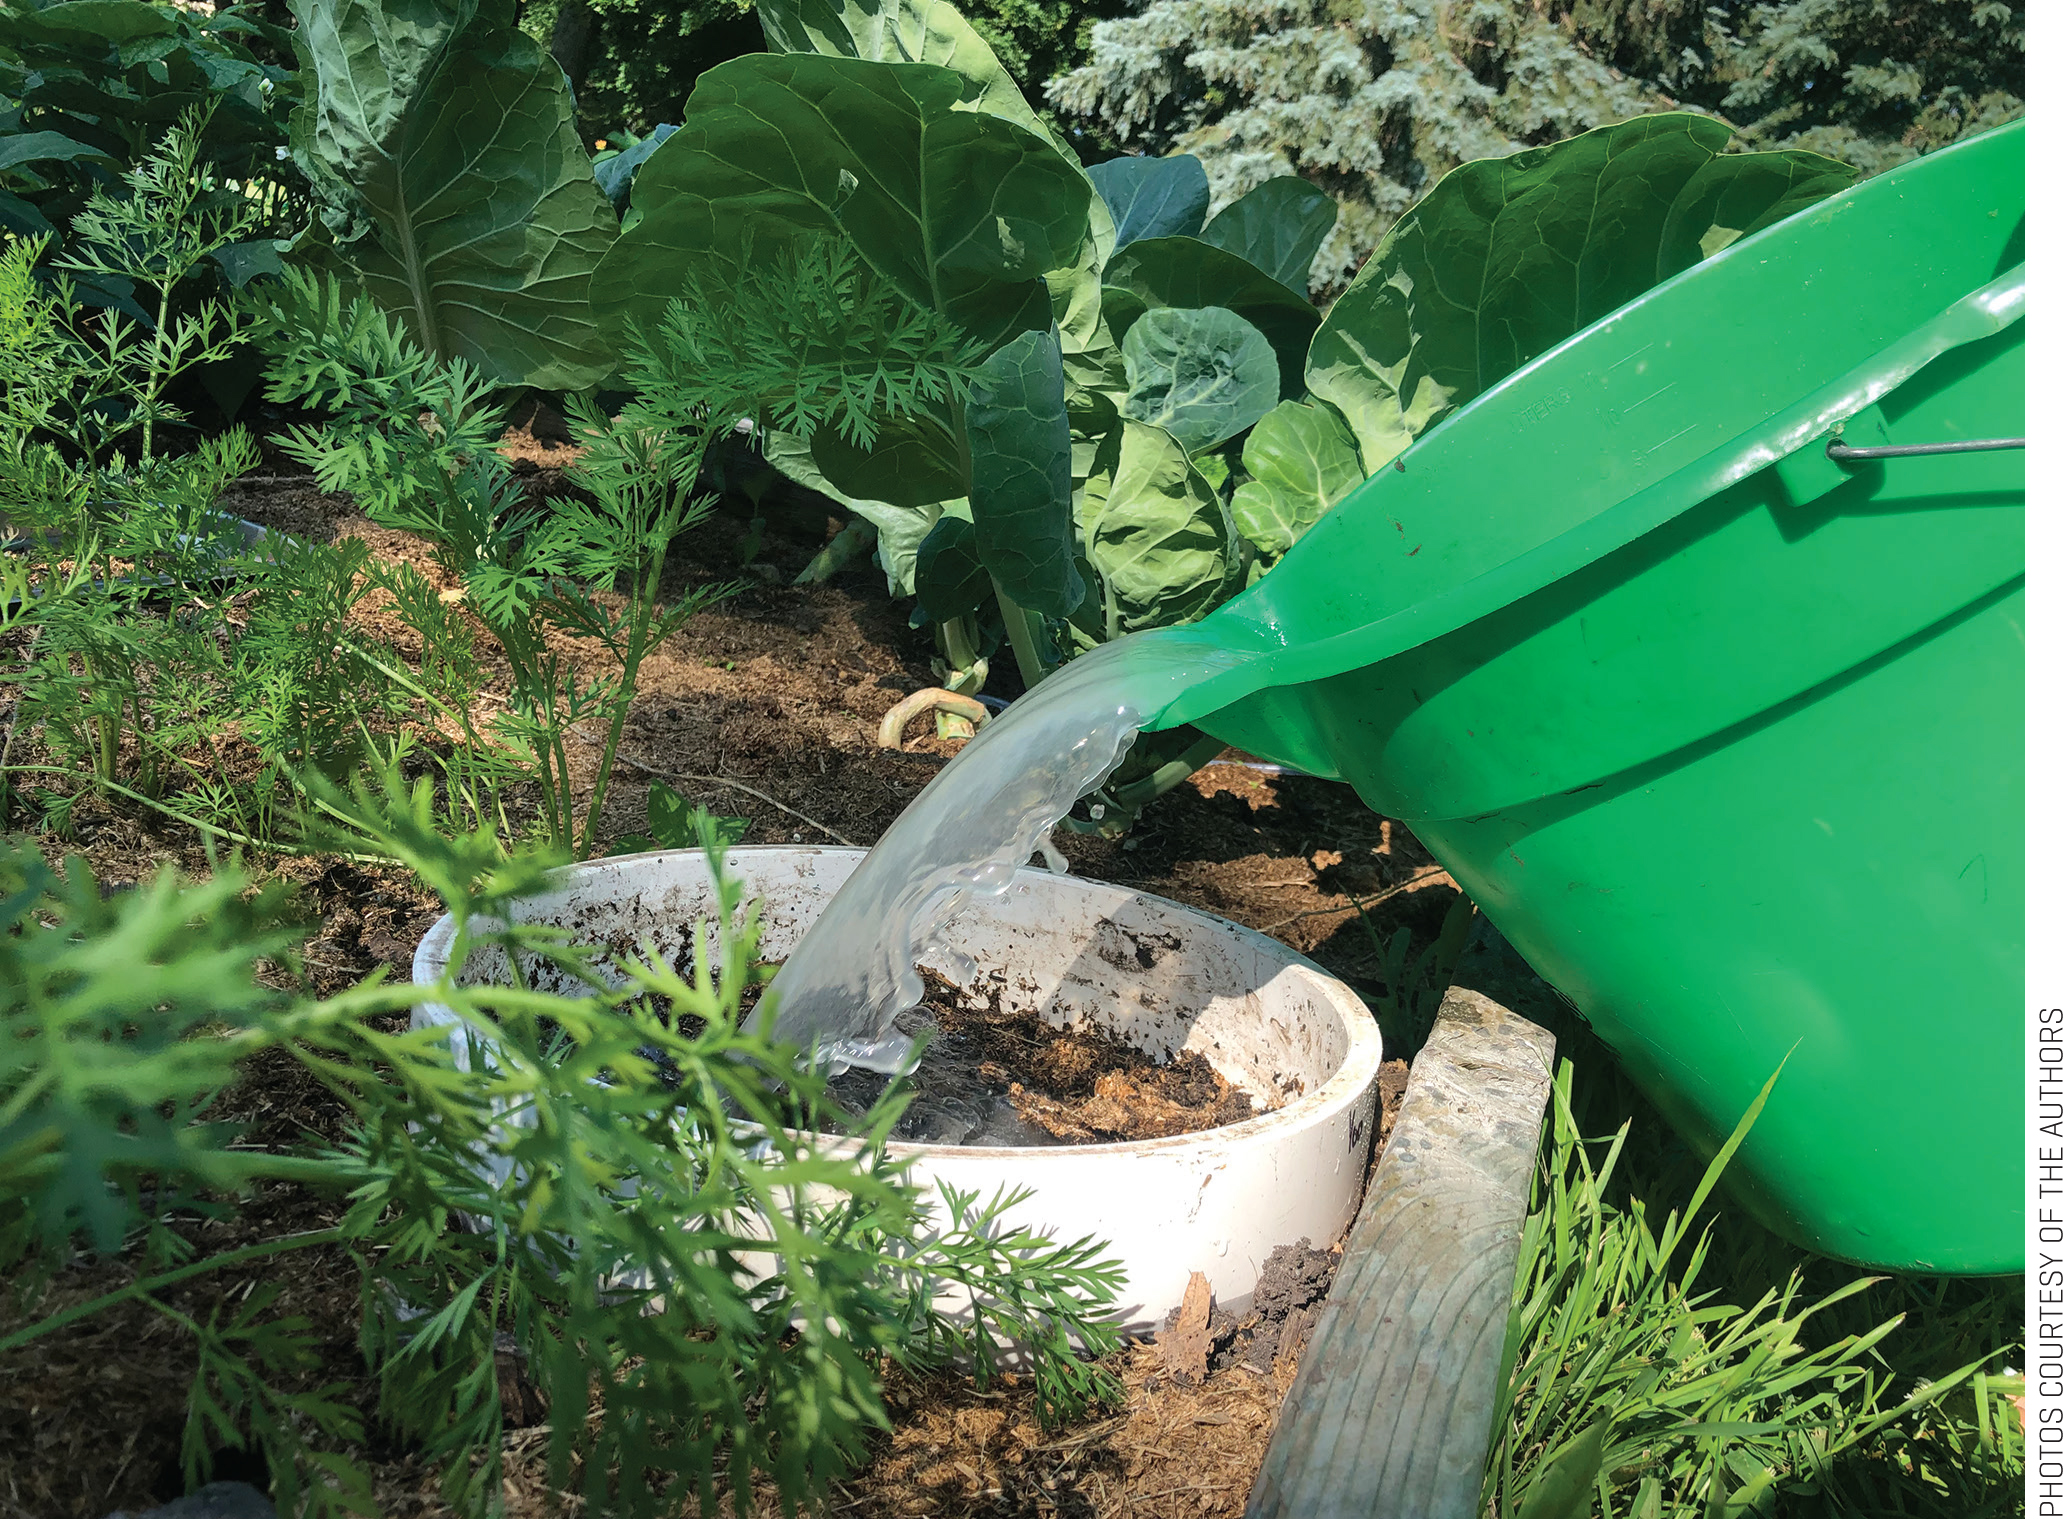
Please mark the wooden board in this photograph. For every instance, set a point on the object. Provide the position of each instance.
(1389, 1417)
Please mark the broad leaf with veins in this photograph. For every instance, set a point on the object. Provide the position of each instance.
(1155, 534)
(1300, 459)
(1019, 488)
(1278, 227)
(959, 210)
(441, 143)
(1154, 197)
(1506, 257)
(1205, 375)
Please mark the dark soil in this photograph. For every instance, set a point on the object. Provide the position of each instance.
(764, 707)
(1294, 1281)
(1003, 1076)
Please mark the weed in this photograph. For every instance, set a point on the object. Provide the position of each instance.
(1415, 985)
(1636, 1384)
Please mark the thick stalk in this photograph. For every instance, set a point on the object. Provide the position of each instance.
(1023, 639)
(853, 540)
(523, 689)
(962, 654)
(1167, 776)
(104, 747)
(1124, 803)
(106, 729)
(564, 770)
(554, 821)
(532, 684)
(147, 769)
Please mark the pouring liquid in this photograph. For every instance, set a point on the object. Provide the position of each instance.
(980, 818)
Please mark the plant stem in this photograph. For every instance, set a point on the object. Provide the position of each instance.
(151, 1284)
(403, 679)
(106, 731)
(962, 654)
(563, 824)
(854, 539)
(1023, 639)
(1167, 776)
(228, 835)
(1127, 801)
(634, 650)
(152, 384)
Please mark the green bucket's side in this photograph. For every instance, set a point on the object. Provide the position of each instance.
(1839, 881)
(1746, 785)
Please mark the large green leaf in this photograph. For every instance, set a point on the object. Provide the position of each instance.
(904, 31)
(44, 147)
(931, 31)
(1507, 257)
(1091, 413)
(20, 217)
(901, 535)
(1089, 349)
(902, 529)
(1277, 227)
(108, 22)
(443, 143)
(113, 75)
(951, 579)
(243, 262)
(1153, 197)
(1204, 375)
(1301, 458)
(1156, 534)
(1020, 487)
(915, 460)
(1188, 273)
(960, 210)
(20, 150)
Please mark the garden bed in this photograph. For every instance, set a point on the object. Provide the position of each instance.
(764, 708)
(182, 697)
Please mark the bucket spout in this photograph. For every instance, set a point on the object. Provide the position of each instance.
(1480, 514)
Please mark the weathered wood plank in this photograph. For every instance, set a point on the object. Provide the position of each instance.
(1389, 1417)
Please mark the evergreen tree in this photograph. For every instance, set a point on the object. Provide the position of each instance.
(1872, 81)
(1373, 100)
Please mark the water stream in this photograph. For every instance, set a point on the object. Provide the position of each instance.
(980, 818)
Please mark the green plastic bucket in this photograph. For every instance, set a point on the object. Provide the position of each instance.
(1726, 736)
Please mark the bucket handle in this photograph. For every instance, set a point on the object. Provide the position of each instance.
(1984, 312)
(1841, 453)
